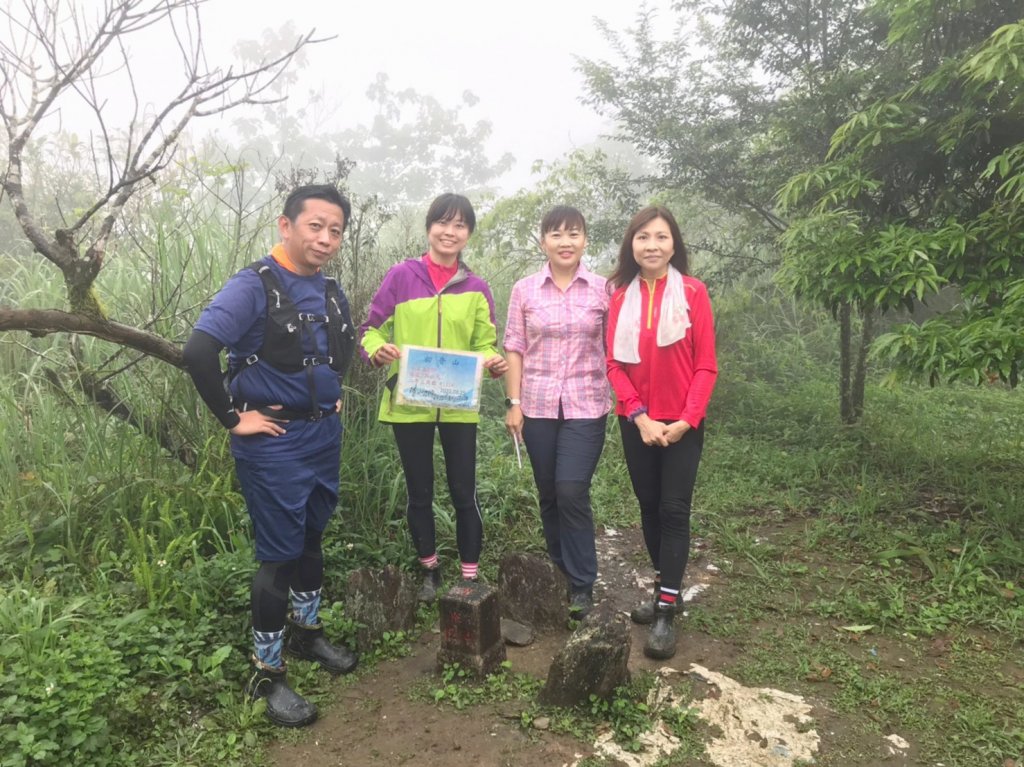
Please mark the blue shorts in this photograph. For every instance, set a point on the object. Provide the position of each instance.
(287, 497)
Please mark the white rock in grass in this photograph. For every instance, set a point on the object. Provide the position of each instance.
(897, 745)
(694, 591)
(760, 727)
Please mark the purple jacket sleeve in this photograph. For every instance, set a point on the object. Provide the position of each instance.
(376, 331)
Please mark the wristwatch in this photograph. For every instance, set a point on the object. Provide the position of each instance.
(510, 401)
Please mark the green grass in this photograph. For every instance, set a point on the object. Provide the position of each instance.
(459, 688)
(855, 552)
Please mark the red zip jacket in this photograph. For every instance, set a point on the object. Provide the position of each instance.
(672, 382)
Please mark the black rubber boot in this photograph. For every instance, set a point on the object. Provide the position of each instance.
(661, 641)
(581, 602)
(644, 614)
(431, 584)
(285, 707)
(309, 643)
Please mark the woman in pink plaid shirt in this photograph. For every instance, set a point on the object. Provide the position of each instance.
(558, 393)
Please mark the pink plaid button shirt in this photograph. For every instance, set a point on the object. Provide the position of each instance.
(560, 336)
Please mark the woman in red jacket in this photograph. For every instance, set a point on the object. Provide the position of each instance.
(661, 364)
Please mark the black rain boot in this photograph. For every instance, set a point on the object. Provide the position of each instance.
(431, 584)
(309, 643)
(581, 602)
(644, 614)
(285, 707)
(661, 641)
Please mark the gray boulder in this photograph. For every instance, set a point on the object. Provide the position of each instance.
(593, 661)
(380, 600)
(515, 633)
(533, 591)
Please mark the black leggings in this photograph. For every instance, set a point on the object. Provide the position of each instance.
(416, 448)
(272, 581)
(663, 480)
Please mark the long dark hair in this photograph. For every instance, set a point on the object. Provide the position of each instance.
(627, 267)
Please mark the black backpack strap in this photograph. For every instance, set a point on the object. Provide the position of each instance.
(341, 335)
(286, 328)
(272, 290)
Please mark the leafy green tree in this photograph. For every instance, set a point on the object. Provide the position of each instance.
(747, 94)
(739, 97)
(416, 147)
(922, 191)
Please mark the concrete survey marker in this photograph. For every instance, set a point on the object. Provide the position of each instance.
(471, 629)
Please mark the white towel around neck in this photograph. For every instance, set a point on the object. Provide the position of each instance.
(672, 325)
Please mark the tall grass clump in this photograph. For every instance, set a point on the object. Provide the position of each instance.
(124, 543)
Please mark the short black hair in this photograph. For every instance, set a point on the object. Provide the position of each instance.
(562, 215)
(450, 205)
(296, 201)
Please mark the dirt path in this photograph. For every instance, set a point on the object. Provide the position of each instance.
(374, 720)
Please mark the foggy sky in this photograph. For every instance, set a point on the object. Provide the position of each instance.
(517, 58)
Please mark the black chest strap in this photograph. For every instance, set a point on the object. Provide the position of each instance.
(288, 332)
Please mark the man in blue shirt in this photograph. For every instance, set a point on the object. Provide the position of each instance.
(289, 337)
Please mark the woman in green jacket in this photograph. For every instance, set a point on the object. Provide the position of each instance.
(435, 301)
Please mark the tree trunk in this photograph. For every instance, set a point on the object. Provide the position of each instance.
(860, 372)
(846, 403)
(79, 277)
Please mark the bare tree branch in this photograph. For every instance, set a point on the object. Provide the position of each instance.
(59, 49)
(41, 322)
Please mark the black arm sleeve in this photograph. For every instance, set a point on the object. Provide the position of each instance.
(202, 361)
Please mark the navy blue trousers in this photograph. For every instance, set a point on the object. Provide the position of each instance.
(564, 455)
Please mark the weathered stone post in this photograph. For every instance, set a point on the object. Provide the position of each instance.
(533, 591)
(593, 662)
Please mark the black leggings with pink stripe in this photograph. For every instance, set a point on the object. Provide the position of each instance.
(416, 449)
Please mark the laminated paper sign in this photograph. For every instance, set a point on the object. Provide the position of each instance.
(439, 378)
